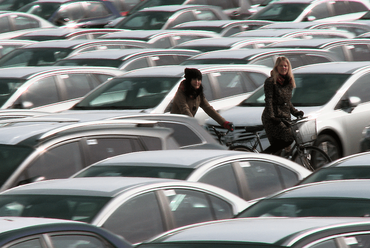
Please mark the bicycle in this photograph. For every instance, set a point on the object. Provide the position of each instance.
(305, 133)
(301, 151)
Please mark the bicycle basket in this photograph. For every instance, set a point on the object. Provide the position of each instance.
(305, 130)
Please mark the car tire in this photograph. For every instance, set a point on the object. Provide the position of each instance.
(329, 145)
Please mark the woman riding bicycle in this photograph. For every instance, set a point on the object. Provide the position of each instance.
(278, 93)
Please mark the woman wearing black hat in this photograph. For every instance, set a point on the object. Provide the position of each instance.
(189, 97)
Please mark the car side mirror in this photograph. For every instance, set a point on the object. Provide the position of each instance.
(349, 104)
(31, 180)
(309, 18)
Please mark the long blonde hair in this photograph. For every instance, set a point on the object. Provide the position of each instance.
(275, 72)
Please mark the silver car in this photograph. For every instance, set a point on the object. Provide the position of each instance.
(135, 208)
(336, 94)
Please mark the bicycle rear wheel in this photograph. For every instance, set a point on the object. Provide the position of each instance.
(314, 156)
(241, 148)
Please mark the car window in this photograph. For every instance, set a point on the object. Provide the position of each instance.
(77, 241)
(318, 12)
(136, 64)
(257, 79)
(188, 206)
(357, 6)
(24, 22)
(204, 14)
(352, 240)
(101, 148)
(339, 52)
(280, 12)
(223, 209)
(208, 90)
(30, 243)
(360, 88)
(4, 24)
(40, 93)
(267, 61)
(262, 178)
(72, 11)
(296, 60)
(164, 60)
(290, 178)
(182, 134)
(359, 52)
(183, 17)
(164, 42)
(95, 10)
(232, 31)
(103, 77)
(152, 143)
(222, 176)
(340, 8)
(314, 59)
(61, 161)
(76, 84)
(137, 219)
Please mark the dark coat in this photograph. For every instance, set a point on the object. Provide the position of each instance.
(278, 105)
(188, 105)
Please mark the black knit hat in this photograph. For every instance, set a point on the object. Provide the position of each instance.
(192, 73)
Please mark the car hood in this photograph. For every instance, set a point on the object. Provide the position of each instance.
(251, 116)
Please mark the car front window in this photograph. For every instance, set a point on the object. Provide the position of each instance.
(129, 93)
(311, 90)
(280, 12)
(11, 157)
(7, 87)
(70, 207)
(44, 10)
(148, 20)
(90, 62)
(310, 206)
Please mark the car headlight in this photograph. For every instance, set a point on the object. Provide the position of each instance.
(366, 132)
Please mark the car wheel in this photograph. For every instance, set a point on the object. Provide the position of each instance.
(329, 145)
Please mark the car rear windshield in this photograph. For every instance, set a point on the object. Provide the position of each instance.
(10, 158)
(7, 88)
(44, 10)
(69, 207)
(338, 173)
(147, 20)
(312, 89)
(280, 12)
(310, 206)
(214, 61)
(136, 171)
(129, 93)
(90, 62)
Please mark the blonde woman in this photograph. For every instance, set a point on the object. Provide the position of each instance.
(278, 93)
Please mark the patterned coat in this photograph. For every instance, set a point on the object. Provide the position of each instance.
(188, 105)
(278, 105)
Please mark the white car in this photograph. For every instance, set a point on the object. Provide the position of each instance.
(336, 94)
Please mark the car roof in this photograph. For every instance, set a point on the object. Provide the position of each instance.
(124, 54)
(355, 188)
(174, 8)
(178, 70)
(65, 31)
(343, 67)
(149, 34)
(249, 54)
(317, 43)
(272, 230)
(225, 41)
(219, 23)
(358, 159)
(284, 31)
(60, 43)
(95, 186)
(43, 129)
(173, 158)
(28, 72)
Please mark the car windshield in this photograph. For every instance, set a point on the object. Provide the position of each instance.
(70, 207)
(207, 244)
(11, 157)
(366, 16)
(39, 37)
(279, 12)
(153, 3)
(136, 171)
(13, 5)
(129, 93)
(148, 20)
(44, 10)
(7, 87)
(213, 29)
(33, 57)
(214, 61)
(311, 90)
(90, 62)
(312, 206)
(338, 173)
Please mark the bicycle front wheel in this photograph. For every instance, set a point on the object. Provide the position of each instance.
(314, 155)
(241, 148)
